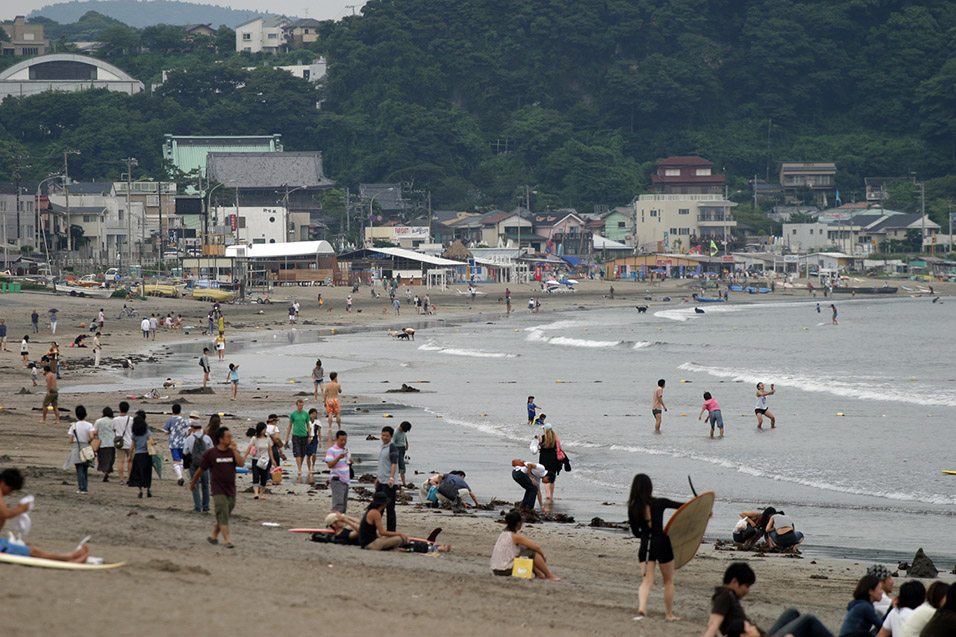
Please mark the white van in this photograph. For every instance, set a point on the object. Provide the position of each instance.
(112, 274)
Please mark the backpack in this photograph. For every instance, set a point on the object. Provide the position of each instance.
(199, 449)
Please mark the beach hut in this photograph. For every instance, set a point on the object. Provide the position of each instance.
(457, 252)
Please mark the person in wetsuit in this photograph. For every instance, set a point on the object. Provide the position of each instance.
(646, 516)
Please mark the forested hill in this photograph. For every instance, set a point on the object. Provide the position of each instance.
(474, 99)
(141, 14)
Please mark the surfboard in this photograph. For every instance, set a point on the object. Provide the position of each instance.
(43, 563)
(416, 539)
(687, 526)
(952, 473)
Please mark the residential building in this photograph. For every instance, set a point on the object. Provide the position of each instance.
(188, 153)
(679, 222)
(877, 188)
(25, 220)
(686, 175)
(859, 234)
(202, 30)
(564, 231)
(312, 72)
(158, 199)
(819, 176)
(25, 39)
(64, 72)
(111, 234)
(301, 32)
(387, 197)
(619, 225)
(262, 35)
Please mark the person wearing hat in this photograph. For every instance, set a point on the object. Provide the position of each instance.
(882, 573)
(372, 536)
(345, 528)
(548, 458)
(192, 460)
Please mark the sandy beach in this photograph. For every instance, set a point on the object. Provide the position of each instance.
(174, 580)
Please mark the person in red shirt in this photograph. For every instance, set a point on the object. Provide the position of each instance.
(221, 462)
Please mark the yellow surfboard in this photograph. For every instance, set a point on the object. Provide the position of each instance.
(952, 473)
(687, 526)
(43, 563)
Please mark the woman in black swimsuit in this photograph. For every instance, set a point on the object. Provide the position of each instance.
(646, 516)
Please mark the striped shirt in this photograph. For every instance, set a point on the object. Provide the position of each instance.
(341, 469)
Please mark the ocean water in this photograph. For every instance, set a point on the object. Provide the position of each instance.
(865, 409)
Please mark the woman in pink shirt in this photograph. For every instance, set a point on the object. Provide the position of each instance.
(713, 414)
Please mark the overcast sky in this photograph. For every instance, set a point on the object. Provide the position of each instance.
(318, 9)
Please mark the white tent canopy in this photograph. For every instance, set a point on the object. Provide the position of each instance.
(280, 250)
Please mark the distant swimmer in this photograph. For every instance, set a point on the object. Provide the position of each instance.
(713, 414)
(818, 308)
(833, 307)
(658, 405)
(761, 407)
(532, 408)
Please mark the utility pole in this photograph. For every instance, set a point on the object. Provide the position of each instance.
(348, 215)
(66, 190)
(130, 162)
(922, 198)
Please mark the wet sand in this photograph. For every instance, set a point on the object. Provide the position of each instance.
(174, 579)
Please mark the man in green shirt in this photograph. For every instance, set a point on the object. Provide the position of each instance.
(301, 434)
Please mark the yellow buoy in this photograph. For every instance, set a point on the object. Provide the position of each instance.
(482, 415)
(735, 329)
(683, 381)
(386, 415)
(585, 329)
(82, 324)
(291, 382)
(516, 330)
(559, 381)
(804, 329)
(839, 413)
(333, 330)
(683, 415)
(912, 379)
(658, 329)
(437, 416)
(221, 414)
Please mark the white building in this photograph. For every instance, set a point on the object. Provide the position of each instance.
(262, 35)
(107, 226)
(665, 222)
(253, 225)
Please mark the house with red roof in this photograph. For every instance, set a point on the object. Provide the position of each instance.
(686, 175)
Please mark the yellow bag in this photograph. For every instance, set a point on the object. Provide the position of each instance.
(276, 475)
(523, 568)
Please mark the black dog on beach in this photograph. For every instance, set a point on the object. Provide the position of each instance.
(641, 309)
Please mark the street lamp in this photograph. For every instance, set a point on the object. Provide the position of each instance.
(66, 191)
(371, 222)
(40, 228)
(130, 162)
(288, 216)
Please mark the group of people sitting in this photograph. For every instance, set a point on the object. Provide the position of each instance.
(871, 613)
(370, 533)
(774, 525)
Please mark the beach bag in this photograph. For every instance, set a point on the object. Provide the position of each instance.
(560, 454)
(120, 439)
(277, 476)
(263, 461)
(523, 568)
(96, 443)
(86, 454)
(535, 446)
(150, 447)
(432, 494)
(199, 449)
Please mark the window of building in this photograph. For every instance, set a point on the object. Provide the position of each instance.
(30, 50)
(621, 224)
(258, 240)
(28, 37)
(653, 213)
(273, 36)
(89, 218)
(685, 231)
(683, 211)
(672, 172)
(247, 49)
(152, 200)
(811, 231)
(703, 172)
(794, 231)
(120, 215)
(673, 230)
(246, 36)
(306, 31)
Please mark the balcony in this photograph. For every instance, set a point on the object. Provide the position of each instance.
(705, 219)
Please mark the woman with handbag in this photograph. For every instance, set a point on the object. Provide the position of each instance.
(141, 473)
(548, 457)
(105, 433)
(82, 434)
(260, 447)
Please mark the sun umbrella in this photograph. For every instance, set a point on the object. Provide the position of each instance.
(157, 464)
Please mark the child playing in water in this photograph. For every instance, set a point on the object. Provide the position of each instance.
(713, 414)
(531, 410)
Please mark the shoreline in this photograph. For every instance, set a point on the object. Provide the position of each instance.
(163, 542)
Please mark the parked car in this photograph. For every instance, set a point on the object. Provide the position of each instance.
(112, 274)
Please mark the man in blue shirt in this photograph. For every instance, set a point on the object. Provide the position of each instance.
(385, 475)
(453, 488)
(178, 428)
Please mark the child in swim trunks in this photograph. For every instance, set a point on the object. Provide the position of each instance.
(713, 414)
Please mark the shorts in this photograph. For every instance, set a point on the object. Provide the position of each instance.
(224, 506)
(13, 549)
(313, 447)
(299, 445)
(332, 407)
(24, 353)
(177, 454)
(51, 398)
(220, 346)
(716, 419)
(654, 412)
(760, 411)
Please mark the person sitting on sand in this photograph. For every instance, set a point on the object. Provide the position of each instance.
(886, 583)
(861, 618)
(12, 480)
(79, 341)
(912, 594)
(427, 486)
(372, 535)
(746, 532)
(345, 528)
(781, 533)
(727, 615)
(512, 544)
(943, 622)
(914, 624)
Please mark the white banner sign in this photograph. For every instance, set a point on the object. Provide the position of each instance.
(410, 232)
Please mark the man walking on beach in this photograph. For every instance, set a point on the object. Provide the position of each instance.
(348, 303)
(330, 397)
(52, 396)
(221, 462)
(833, 307)
(144, 326)
(658, 405)
(385, 475)
(35, 322)
(318, 381)
(177, 427)
(194, 448)
(300, 432)
(337, 459)
(153, 324)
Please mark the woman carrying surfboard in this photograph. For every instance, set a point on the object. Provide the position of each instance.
(646, 516)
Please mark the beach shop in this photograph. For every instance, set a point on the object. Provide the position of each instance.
(649, 267)
(297, 263)
(371, 266)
